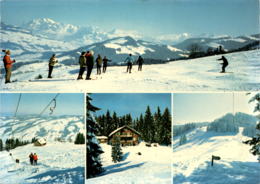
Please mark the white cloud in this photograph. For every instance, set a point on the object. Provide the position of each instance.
(173, 38)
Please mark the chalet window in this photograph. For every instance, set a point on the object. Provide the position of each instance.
(127, 138)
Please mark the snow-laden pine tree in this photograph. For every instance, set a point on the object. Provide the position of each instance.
(117, 154)
(1, 145)
(94, 166)
(255, 141)
(183, 140)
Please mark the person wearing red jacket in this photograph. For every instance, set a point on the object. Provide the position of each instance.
(8, 66)
(35, 159)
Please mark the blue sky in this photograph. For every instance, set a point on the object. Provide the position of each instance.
(200, 107)
(34, 103)
(133, 103)
(148, 17)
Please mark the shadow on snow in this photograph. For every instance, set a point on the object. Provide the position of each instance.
(118, 168)
(231, 173)
(73, 175)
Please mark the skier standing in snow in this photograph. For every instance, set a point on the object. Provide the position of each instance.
(105, 60)
(52, 62)
(129, 60)
(35, 159)
(8, 65)
(140, 62)
(224, 64)
(90, 63)
(99, 64)
(31, 158)
(82, 64)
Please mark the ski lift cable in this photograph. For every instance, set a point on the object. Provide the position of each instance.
(54, 99)
(16, 110)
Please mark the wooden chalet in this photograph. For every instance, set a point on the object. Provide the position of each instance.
(128, 136)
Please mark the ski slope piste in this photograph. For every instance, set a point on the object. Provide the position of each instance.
(59, 161)
(200, 74)
(153, 165)
(192, 161)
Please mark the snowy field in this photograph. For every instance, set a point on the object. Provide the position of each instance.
(200, 74)
(58, 163)
(192, 161)
(153, 166)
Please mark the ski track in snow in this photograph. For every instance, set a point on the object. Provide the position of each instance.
(58, 163)
(201, 74)
(192, 161)
(153, 166)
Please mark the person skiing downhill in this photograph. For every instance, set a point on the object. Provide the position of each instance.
(105, 60)
(52, 62)
(99, 64)
(90, 63)
(31, 158)
(140, 62)
(224, 64)
(8, 65)
(82, 63)
(129, 60)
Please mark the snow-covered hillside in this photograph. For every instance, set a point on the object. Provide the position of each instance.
(227, 42)
(119, 48)
(192, 161)
(52, 128)
(58, 163)
(22, 42)
(201, 74)
(152, 166)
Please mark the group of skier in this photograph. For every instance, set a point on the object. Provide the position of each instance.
(86, 62)
(33, 158)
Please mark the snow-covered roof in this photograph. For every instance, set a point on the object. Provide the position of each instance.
(101, 137)
(120, 128)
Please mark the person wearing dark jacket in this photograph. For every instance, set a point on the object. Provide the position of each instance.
(140, 62)
(105, 60)
(52, 62)
(82, 64)
(90, 63)
(31, 158)
(99, 61)
(8, 66)
(224, 64)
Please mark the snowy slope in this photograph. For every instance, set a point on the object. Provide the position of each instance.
(51, 128)
(201, 74)
(191, 161)
(153, 166)
(58, 163)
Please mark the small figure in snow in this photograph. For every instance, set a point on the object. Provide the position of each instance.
(105, 60)
(8, 65)
(35, 159)
(52, 62)
(31, 158)
(82, 64)
(224, 64)
(140, 62)
(90, 63)
(129, 60)
(99, 61)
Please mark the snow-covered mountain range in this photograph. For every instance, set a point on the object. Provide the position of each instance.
(39, 38)
(52, 128)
